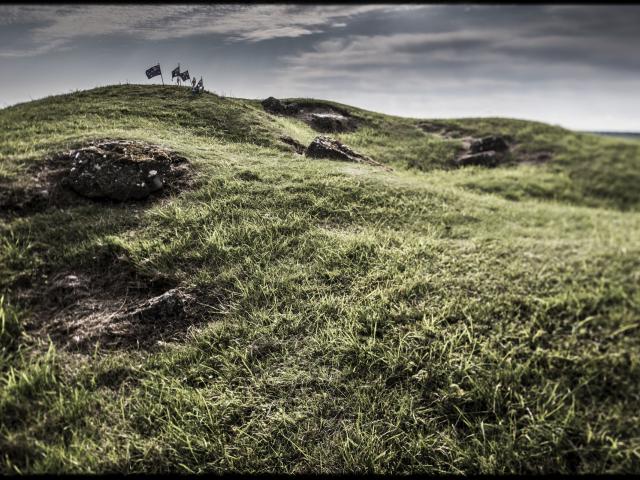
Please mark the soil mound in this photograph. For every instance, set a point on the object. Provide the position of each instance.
(483, 159)
(486, 152)
(325, 147)
(489, 151)
(122, 170)
(331, 122)
(116, 170)
(295, 145)
(487, 144)
(120, 309)
(319, 116)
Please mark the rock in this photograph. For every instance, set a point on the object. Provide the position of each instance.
(297, 146)
(492, 143)
(273, 105)
(325, 147)
(485, 159)
(119, 170)
(330, 122)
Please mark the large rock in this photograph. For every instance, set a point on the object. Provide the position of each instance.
(485, 159)
(493, 143)
(119, 170)
(325, 147)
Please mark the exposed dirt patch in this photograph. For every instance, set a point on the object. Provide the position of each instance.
(21, 198)
(446, 131)
(319, 116)
(81, 311)
(249, 176)
(105, 170)
(531, 158)
(488, 151)
(325, 147)
(295, 145)
(118, 308)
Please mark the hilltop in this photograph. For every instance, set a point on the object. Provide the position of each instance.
(313, 315)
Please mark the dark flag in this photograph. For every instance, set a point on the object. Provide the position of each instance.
(153, 71)
(185, 75)
(176, 72)
(200, 83)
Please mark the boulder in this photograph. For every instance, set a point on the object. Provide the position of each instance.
(119, 170)
(485, 159)
(491, 143)
(325, 147)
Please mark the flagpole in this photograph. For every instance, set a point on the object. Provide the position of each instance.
(161, 77)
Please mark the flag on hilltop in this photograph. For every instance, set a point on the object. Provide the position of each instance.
(153, 71)
(185, 75)
(200, 84)
(175, 72)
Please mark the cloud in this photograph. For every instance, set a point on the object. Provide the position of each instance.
(493, 45)
(49, 27)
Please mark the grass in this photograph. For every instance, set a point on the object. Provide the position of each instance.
(425, 320)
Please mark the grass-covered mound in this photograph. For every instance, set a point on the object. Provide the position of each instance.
(350, 319)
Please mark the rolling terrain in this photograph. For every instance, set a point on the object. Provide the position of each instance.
(340, 316)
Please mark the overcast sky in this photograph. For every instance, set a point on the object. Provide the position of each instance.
(575, 66)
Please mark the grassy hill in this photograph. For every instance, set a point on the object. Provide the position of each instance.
(353, 319)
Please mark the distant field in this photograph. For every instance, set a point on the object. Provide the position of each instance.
(628, 135)
(345, 317)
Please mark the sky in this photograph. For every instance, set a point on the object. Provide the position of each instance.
(577, 66)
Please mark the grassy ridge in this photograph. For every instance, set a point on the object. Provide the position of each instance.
(421, 320)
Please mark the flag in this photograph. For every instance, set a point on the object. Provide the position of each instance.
(153, 71)
(200, 83)
(185, 75)
(175, 72)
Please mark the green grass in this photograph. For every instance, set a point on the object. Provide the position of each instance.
(424, 320)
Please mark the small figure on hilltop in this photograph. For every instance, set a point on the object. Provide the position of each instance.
(197, 88)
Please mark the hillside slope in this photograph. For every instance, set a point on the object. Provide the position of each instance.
(345, 317)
